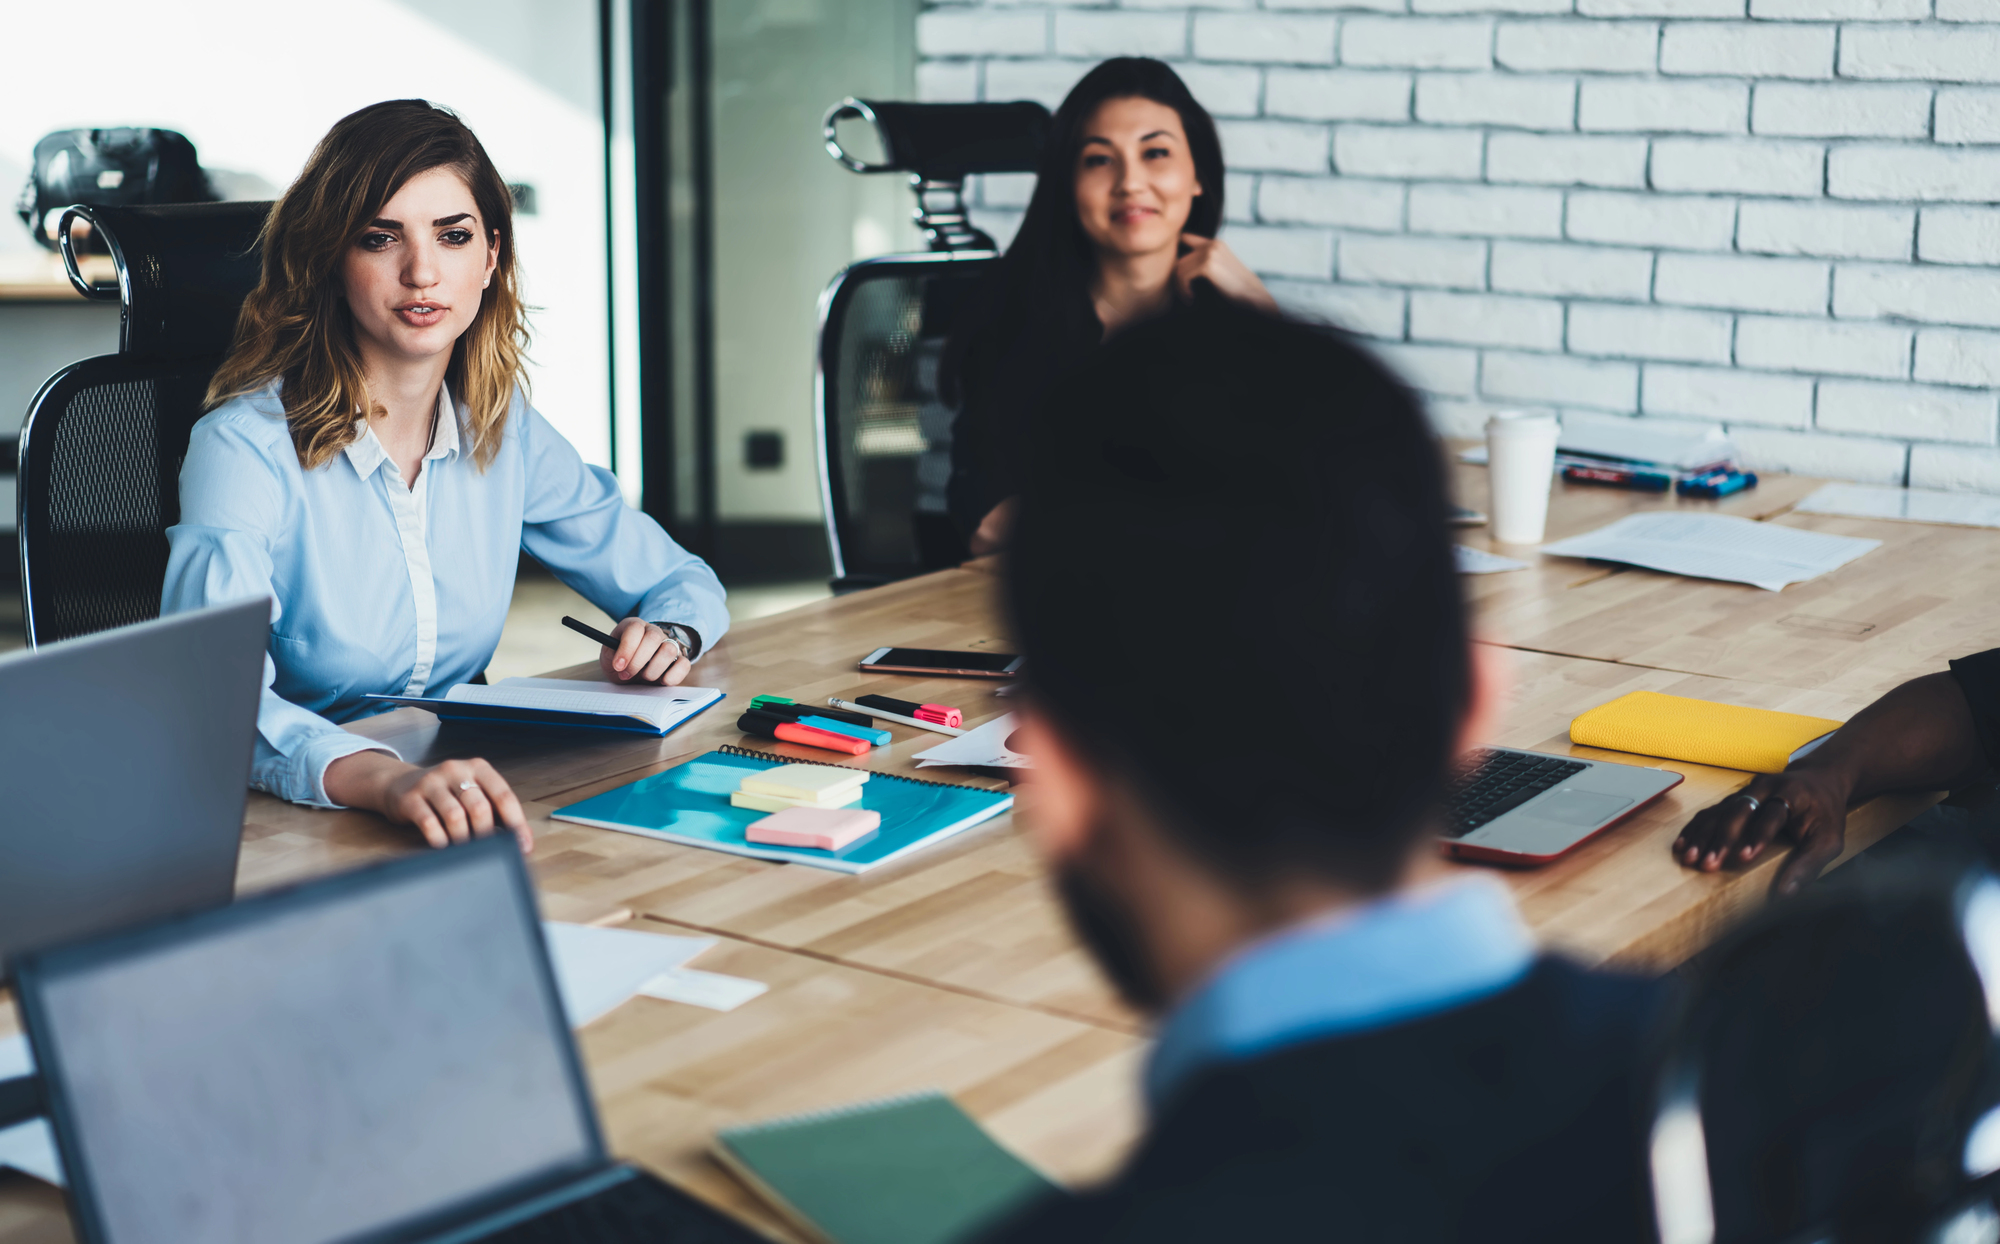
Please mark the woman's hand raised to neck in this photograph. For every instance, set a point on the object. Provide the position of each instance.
(1135, 187)
(414, 279)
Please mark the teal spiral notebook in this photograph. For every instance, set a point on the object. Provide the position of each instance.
(689, 804)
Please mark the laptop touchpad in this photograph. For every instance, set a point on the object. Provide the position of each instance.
(1576, 807)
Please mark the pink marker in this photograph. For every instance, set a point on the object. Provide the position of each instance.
(823, 829)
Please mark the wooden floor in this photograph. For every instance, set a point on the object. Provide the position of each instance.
(954, 968)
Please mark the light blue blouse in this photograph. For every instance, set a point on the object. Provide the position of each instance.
(379, 587)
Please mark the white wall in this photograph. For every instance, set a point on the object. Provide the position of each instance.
(255, 85)
(1777, 214)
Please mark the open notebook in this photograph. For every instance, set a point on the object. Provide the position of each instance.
(566, 702)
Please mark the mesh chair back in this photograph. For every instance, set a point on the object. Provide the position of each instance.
(100, 453)
(884, 435)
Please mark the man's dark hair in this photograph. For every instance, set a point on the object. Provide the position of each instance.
(1233, 582)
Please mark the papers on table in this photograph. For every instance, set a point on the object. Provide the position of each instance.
(1479, 561)
(710, 989)
(30, 1148)
(27, 1147)
(597, 970)
(988, 745)
(1716, 546)
(1917, 505)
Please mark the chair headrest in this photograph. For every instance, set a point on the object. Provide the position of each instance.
(1835, 1063)
(183, 271)
(946, 142)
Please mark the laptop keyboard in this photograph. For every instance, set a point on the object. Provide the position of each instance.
(641, 1210)
(1494, 782)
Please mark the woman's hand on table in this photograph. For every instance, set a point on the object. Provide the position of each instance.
(1918, 737)
(1805, 805)
(454, 801)
(644, 654)
(1211, 259)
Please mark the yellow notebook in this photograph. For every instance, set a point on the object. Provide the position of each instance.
(1727, 736)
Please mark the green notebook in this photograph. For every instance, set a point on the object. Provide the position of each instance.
(904, 1170)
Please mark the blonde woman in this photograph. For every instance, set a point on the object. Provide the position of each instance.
(371, 462)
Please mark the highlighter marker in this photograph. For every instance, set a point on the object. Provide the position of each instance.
(883, 714)
(867, 734)
(767, 726)
(793, 732)
(795, 712)
(937, 714)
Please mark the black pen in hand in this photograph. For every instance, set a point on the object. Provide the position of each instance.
(590, 632)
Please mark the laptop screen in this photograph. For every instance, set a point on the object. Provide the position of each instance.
(319, 1065)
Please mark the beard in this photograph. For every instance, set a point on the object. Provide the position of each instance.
(1107, 930)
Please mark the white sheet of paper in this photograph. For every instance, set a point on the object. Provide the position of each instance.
(16, 1059)
(27, 1147)
(597, 970)
(1479, 561)
(710, 989)
(31, 1149)
(1917, 505)
(985, 746)
(1716, 546)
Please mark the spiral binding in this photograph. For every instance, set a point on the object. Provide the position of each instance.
(728, 750)
(832, 1113)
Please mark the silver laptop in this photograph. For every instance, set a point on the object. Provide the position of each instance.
(124, 764)
(377, 1056)
(1515, 807)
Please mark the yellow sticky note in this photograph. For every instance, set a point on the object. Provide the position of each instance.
(1674, 727)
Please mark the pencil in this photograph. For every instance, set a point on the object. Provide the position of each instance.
(895, 717)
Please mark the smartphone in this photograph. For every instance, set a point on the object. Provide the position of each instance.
(935, 661)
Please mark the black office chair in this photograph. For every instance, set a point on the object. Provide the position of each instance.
(100, 453)
(884, 435)
(1833, 1075)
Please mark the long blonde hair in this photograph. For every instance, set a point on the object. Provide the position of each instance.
(295, 326)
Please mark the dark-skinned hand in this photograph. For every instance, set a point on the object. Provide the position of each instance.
(1803, 806)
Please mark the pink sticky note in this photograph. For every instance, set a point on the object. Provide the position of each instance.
(826, 829)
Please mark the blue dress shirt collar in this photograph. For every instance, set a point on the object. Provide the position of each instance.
(1397, 958)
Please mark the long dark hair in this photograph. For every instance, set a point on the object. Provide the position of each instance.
(1044, 284)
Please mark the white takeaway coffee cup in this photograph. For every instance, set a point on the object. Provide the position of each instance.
(1520, 463)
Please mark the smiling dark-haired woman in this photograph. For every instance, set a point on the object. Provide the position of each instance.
(1120, 228)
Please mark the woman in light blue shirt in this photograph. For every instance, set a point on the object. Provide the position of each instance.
(388, 540)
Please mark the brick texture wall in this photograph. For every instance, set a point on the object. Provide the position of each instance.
(1776, 214)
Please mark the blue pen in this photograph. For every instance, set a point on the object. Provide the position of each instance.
(1718, 484)
(867, 734)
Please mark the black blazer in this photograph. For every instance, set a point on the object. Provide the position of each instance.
(1515, 1118)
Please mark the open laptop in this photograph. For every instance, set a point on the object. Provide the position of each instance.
(124, 764)
(1515, 807)
(378, 1056)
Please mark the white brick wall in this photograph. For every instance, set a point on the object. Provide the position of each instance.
(1782, 215)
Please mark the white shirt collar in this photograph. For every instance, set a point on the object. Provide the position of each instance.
(367, 454)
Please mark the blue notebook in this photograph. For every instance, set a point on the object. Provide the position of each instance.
(689, 804)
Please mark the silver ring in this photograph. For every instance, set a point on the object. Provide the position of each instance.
(1752, 801)
(468, 784)
(1787, 806)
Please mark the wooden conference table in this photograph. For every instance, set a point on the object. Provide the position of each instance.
(954, 969)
